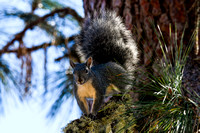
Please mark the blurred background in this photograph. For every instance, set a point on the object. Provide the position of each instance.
(33, 81)
(37, 40)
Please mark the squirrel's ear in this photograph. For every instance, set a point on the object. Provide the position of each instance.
(89, 62)
(72, 64)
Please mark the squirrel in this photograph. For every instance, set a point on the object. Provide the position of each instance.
(94, 83)
(111, 55)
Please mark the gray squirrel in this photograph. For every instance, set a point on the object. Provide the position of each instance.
(110, 55)
(94, 83)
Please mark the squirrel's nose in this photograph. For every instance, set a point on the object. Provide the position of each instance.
(80, 80)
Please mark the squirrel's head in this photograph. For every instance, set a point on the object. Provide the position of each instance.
(82, 71)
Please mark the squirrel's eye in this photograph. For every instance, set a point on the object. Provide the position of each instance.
(86, 71)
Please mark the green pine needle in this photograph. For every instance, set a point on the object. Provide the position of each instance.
(171, 110)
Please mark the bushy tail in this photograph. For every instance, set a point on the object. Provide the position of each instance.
(105, 38)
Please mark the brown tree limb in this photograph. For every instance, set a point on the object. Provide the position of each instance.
(60, 58)
(28, 50)
(19, 36)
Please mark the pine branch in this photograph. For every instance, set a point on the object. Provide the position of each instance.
(197, 45)
(28, 50)
(20, 52)
(60, 58)
(19, 36)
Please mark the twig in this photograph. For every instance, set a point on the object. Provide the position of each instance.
(30, 49)
(60, 58)
(197, 29)
(19, 36)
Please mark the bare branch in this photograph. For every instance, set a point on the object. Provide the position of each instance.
(19, 36)
(60, 58)
(28, 50)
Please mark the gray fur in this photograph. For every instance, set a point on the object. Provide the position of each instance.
(105, 38)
